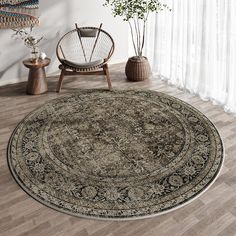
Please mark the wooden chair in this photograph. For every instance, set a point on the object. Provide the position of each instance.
(85, 50)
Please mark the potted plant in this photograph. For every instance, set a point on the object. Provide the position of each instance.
(136, 13)
(31, 41)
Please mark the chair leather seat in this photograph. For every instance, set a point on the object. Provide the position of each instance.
(83, 65)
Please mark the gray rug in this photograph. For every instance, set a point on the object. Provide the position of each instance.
(115, 155)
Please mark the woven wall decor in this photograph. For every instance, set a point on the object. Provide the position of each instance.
(18, 13)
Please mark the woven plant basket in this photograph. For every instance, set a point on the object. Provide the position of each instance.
(137, 69)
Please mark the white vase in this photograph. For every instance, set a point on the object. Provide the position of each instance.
(42, 55)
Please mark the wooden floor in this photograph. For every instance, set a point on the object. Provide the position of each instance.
(214, 213)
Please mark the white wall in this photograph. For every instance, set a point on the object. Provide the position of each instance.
(58, 17)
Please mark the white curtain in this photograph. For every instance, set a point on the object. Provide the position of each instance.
(194, 47)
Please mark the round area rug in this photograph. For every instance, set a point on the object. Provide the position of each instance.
(115, 155)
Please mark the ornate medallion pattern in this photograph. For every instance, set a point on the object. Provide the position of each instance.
(120, 155)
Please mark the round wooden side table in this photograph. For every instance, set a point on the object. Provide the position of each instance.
(37, 83)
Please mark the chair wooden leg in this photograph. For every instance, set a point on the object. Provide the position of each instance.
(60, 81)
(107, 74)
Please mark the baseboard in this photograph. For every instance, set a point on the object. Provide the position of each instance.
(118, 61)
(12, 81)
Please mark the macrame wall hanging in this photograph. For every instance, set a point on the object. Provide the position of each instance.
(18, 13)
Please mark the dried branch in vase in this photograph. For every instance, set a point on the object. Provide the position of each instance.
(30, 40)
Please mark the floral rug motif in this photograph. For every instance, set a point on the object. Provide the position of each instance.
(115, 155)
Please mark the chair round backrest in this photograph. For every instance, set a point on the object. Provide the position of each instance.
(85, 45)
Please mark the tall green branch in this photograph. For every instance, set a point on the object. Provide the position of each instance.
(132, 36)
(137, 11)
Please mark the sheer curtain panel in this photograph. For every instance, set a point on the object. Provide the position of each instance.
(194, 47)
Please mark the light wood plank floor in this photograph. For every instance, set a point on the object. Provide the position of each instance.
(214, 213)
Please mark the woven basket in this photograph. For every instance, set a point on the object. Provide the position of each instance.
(137, 69)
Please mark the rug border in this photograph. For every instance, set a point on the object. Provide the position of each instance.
(112, 218)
